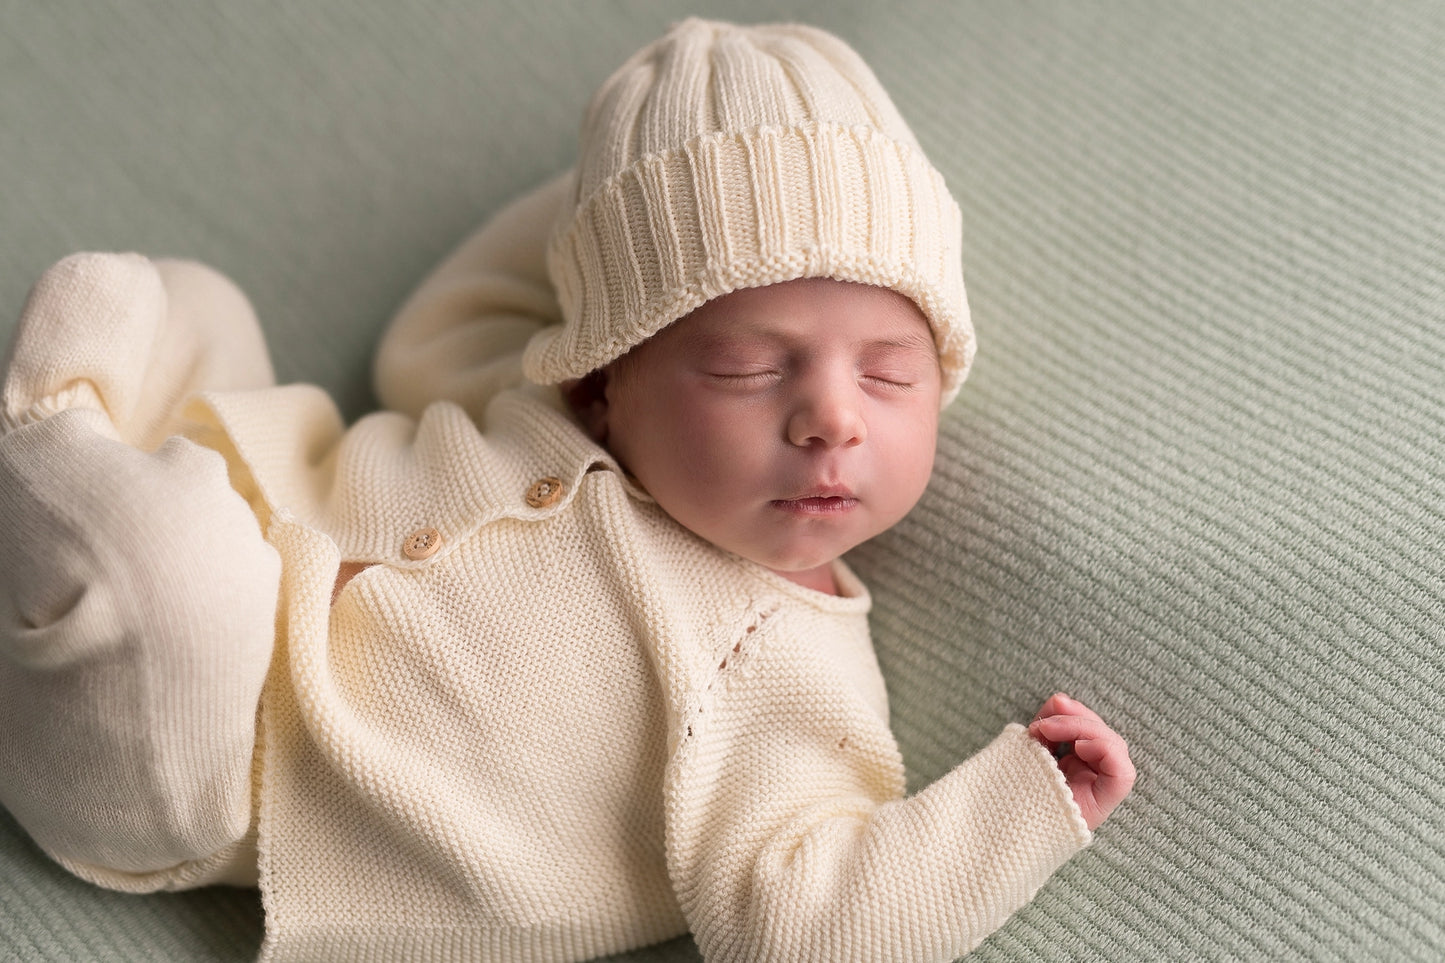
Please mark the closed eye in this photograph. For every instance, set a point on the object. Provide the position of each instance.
(897, 366)
(891, 380)
(745, 378)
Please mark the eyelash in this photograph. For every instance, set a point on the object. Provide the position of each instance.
(753, 377)
(743, 378)
(891, 384)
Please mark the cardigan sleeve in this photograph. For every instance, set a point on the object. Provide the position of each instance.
(460, 335)
(137, 596)
(789, 836)
(133, 338)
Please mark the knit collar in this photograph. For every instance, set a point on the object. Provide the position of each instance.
(389, 476)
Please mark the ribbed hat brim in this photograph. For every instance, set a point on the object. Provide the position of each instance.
(745, 209)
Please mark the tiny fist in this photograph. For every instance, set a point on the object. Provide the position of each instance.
(1092, 756)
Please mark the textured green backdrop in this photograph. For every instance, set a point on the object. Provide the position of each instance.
(1196, 478)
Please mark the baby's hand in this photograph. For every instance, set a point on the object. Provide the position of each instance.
(1097, 766)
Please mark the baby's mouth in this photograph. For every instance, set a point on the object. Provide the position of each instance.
(822, 503)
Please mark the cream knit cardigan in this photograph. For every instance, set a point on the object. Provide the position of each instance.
(557, 726)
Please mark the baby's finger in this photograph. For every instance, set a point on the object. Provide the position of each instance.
(1077, 772)
(1073, 707)
(1069, 728)
(1052, 706)
(1092, 751)
(1109, 758)
(1103, 755)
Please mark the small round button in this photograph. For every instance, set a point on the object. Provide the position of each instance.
(545, 492)
(422, 543)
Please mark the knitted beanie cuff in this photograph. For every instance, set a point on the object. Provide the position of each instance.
(734, 210)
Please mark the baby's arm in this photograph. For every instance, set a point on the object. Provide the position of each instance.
(1093, 757)
(460, 336)
(789, 837)
(137, 596)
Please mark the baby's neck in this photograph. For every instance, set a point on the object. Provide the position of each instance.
(820, 579)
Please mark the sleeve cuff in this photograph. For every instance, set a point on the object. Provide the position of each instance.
(1035, 756)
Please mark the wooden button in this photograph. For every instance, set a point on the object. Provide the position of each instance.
(545, 492)
(422, 543)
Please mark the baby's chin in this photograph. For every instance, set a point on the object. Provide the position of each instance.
(811, 569)
(819, 578)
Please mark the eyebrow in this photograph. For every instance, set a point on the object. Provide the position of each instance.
(907, 342)
(921, 342)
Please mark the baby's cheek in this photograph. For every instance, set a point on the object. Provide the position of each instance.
(906, 464)
(720, 441)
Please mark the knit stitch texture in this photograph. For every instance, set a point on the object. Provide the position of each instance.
(1195, 477)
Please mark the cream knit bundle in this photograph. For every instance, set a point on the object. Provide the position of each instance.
(725, 157)
(571, 729)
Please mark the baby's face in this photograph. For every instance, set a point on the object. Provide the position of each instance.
(786, 424)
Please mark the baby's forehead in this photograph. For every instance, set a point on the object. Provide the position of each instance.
(818, 310)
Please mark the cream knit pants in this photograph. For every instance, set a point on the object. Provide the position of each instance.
(137, 595)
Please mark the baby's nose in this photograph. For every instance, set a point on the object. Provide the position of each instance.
(829, 417)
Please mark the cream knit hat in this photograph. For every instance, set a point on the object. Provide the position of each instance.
(723, 157)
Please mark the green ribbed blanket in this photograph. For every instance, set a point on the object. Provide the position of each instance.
(1195, 479)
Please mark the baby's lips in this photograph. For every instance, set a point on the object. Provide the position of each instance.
(822, 491)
